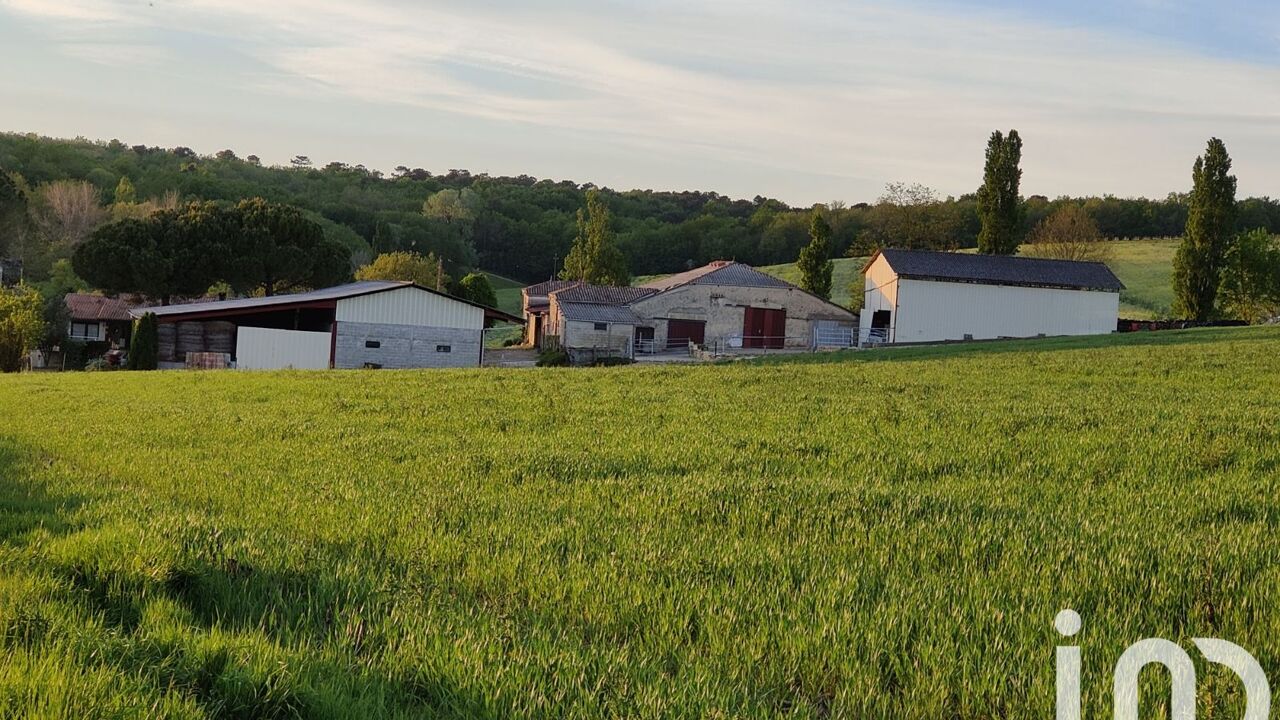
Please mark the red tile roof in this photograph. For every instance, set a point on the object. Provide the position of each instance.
(83, 306)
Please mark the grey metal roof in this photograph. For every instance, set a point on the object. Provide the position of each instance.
(719, 272)
(601, 295)
(1001, 270)
(594, 312)
(548, 286)
(338, 292)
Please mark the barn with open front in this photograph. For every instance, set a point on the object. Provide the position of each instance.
(924, 296)
(369, 324)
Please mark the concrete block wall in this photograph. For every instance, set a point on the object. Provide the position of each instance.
(405, 346)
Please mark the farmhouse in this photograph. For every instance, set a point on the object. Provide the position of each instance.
(917, 296)
(98, 319)
(536, 305)
(725, 304)
(374, 324)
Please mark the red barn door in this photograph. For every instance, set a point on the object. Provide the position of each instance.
(764, 328)
(681, 332)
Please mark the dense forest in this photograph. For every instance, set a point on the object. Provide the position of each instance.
(523, 227)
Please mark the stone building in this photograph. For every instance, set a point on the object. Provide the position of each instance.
(725, 306)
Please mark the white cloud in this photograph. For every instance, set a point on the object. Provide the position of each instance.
(848, 94)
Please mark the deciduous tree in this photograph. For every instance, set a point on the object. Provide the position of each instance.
(477, 288)
(66, 212)
(999, 206)
(125, 192)
(912, 216)
(13, 217)
(21, 325)
(1211, 218)
(1069, 234)
(595, 257)
(403, 266)
(815, 259)
(1250, 288)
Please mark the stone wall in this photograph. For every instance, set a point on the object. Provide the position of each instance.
(723, 308)
(405, 346)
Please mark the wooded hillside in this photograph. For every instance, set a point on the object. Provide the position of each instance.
(522, 227)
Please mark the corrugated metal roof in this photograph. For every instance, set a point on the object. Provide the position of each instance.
(592, 312)
(338, 292)
(1001, 270)
(720, 272)
(601, 295)
(82, 306)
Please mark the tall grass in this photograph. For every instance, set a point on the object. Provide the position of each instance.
(842, 539)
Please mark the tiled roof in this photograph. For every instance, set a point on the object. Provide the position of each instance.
(594, 312)
(548, 286)
(720, 272)
(601, 295)
(82, 306)
(1001, 270)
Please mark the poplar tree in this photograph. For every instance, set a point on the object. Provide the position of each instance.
(815, 259)
(595, 257)
(1211, 220)
(999, 207)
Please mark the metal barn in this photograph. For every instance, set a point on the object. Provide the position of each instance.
(374, 324)
(919, 296)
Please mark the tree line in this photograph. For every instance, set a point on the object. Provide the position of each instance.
(524, 227)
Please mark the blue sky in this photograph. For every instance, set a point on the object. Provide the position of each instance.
(805, 100)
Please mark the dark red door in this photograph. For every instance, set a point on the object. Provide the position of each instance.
(775, 328)
(763, 328)
(752, 328)
(681, 332)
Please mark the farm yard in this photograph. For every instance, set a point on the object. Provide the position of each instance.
(887, 534)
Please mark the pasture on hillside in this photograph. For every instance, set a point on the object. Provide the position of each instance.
(841, 539)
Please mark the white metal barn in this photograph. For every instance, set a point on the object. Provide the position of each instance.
(918, 296)
(374, 323)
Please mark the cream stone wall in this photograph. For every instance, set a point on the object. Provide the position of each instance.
(723, 309)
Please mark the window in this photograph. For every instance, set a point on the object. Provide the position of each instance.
(374, 344)
(84, 331)
(444, 348)
(602, 327)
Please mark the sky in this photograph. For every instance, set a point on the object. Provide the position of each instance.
(803, 100)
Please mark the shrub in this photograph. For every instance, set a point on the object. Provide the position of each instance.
(612, 361)
(144, 352)
(553, 358)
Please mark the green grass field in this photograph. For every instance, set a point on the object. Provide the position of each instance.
(509, 300)
(846, 271)
(1146, 269)
(507, 291)
(887, 535)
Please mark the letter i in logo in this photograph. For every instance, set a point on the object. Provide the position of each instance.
(1068, 624)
